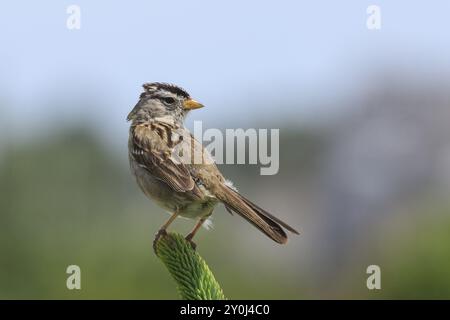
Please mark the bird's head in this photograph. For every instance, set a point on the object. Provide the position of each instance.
(163, 101)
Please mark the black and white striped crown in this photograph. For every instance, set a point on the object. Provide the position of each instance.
(158, 86)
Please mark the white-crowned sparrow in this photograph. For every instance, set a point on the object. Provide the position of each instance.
(158, 145)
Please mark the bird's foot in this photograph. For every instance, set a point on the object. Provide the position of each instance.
(159, 234)
(192, 243)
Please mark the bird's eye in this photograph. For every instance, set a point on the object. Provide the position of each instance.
(168, 100)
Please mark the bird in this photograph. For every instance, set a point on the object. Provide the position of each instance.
(162, 154)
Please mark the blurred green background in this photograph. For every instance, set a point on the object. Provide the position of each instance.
(364, 120)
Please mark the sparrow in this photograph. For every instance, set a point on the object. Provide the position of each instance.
(174, 170)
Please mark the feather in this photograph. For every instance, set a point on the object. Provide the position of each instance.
(261, 219)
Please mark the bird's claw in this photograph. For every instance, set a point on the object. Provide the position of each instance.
(192, 243)
(159, 234)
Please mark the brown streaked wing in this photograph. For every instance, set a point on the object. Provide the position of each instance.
(158, 163)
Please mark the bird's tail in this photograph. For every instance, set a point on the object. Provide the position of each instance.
(264, 221)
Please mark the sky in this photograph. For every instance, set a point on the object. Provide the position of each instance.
(233, 56)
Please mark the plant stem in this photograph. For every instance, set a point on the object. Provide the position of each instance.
(194, 279)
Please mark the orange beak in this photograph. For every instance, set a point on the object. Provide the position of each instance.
(192, 104)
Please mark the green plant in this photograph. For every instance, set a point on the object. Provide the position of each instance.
(194, 279)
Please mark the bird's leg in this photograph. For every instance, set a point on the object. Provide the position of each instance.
(162, 230)
(194, 231)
